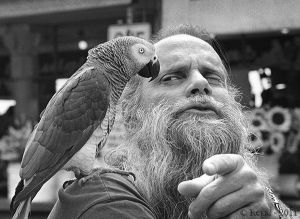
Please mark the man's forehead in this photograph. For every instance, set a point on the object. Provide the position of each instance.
(178, 47)
(181, 40)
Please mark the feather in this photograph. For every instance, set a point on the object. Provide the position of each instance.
(18, 189)
(23, 210)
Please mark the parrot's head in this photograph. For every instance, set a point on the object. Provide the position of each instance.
(131, 55)
(139, 57)
(143, 59)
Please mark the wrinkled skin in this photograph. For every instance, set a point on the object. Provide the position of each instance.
(229, 188)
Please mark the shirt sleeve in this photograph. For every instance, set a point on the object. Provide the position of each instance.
(104, 196)
(122, 209)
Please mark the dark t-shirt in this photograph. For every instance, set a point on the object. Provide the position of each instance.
(105, 195)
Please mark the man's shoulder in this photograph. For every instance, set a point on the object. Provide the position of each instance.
(103, 190)
(100, 178)
(106, 183)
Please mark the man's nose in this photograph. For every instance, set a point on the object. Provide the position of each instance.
(197, 84)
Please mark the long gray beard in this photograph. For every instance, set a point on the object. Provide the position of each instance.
(164, 149)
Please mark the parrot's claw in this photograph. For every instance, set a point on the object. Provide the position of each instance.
(79, 174)
(84, 177)
(82, 181)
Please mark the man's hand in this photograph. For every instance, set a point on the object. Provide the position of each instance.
(228, 188)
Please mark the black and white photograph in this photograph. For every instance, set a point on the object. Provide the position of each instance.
(149, 109)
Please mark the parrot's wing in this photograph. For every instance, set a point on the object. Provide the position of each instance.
(70, 118)
(78, 72)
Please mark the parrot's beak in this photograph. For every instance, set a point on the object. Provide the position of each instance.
(150, 70)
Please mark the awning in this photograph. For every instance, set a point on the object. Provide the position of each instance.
(11, 10)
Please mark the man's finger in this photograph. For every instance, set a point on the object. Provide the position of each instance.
(222, 164)
(191, 188)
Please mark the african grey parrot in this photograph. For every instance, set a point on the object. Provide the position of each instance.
(77, 120)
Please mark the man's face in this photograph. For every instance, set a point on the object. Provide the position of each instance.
(189, 66)
(178, 120)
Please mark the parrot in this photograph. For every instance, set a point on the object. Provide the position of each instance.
(77, 120)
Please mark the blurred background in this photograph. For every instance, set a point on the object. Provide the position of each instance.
(43, 42)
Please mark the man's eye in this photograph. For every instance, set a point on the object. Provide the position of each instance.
(170, 78)
(214, 80)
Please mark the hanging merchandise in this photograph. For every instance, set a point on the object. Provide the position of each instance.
(277, 141)
(265, 138)
(259, 112)
(258, 122)
(296, 119)
(293, 142)
(279, 119)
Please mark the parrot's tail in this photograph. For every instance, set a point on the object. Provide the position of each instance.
(23, 209)
(18, 189)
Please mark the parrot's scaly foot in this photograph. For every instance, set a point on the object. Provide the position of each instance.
(84, 177)
(78, 174)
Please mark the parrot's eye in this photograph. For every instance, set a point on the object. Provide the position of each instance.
(141, 50)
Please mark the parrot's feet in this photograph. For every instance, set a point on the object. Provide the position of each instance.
(78, 174)
(84, 177)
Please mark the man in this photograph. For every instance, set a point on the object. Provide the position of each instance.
(186, 145)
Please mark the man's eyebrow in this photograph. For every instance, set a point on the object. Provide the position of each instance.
(176, 67)
(178, 63)
(215, 69)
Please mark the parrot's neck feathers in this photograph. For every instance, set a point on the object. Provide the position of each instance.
(117, 85)
(108, 58)
(111, 63)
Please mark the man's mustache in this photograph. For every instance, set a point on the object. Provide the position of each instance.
(198, 102)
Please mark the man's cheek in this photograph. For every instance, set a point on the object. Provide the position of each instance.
(220, 94)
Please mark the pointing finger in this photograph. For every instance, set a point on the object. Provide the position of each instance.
(222, 164)
(192, 188)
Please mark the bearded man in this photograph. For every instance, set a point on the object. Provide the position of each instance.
(187, 146)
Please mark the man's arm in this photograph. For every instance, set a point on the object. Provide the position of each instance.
(230, 188)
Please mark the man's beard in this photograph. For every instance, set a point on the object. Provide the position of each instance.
(166, 145)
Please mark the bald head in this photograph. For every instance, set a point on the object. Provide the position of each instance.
(182, 39)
